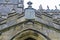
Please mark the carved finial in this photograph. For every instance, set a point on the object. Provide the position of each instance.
(29, 3)
(55, 6)
(47, 7)
(40, 7)
(48, 10)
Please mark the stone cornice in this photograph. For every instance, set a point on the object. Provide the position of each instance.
(36, 20)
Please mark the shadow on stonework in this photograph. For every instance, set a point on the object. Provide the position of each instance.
(30, 34)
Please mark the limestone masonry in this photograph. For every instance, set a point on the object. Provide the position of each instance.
(17, 23)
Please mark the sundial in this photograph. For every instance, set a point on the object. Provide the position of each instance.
(30, 12)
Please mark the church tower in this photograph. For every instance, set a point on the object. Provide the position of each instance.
(17, 23)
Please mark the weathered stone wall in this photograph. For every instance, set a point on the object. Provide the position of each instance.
(8, 33)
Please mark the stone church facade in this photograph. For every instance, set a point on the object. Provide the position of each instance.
(17, 23)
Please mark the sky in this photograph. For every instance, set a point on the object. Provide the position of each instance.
(44, 3)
